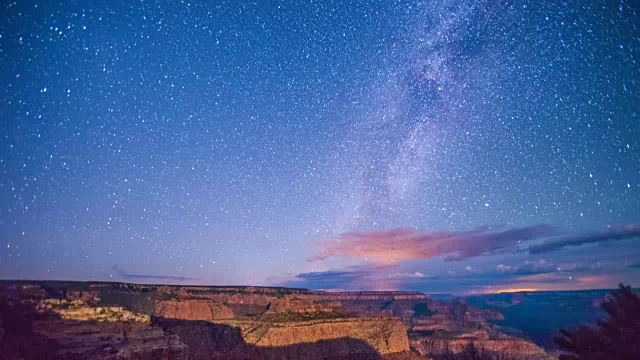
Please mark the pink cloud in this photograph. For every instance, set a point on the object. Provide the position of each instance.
(392, 246)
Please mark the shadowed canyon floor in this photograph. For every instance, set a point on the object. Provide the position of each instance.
(96, 320)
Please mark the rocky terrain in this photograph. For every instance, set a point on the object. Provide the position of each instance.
(499, 348)
(541, 314)
(70, 320)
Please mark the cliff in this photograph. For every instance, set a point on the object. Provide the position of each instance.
(298, 304)
(87, 321)
(122, 321)
(363, 338)
(384, 335)
(192, 309)
(493, 348)
(62, 329)
(110, 340)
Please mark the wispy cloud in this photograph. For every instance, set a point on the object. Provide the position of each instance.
(354, 277)
(332, 275)
(391, 246)
(528, 267)
(127, 275)
(625, 232)
(414, 275)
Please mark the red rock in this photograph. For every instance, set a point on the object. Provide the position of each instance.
(191, 309)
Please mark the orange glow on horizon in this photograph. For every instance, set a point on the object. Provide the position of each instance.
(510, 290)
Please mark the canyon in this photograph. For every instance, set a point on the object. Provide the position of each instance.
(101, 320)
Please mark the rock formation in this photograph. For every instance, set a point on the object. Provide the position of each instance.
(72, 329)
(131, 321)
(298, 304)
(192, 309)
(498, 348)
(318, 339)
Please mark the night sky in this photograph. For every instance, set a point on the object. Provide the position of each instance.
(440, 146)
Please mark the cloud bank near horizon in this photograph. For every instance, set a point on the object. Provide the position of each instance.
(394, 245)
(625, 232)
(127, 275)
(480, 258)
(537, 274)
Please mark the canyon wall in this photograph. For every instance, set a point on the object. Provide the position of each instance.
(131, 321)
(72, 329)
(192, 310)
(319, 339)
(491, 348)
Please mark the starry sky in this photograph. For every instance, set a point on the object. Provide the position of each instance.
(441, 146)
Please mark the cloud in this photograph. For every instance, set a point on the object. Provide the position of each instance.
(528, 267)
(334, 275)
(634, 266)
(392, 246)
(389, 254)
(353, 277)
(415, 275)
(625, 232)
(128, 275)
(375, 277)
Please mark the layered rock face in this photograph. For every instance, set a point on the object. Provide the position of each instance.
(78, 310)
(110, 340)
(451, 328)
(196, 323)
(371, 338)
(192, 310)
(298, 304)
(129, 321)
(491, 348)
(384, 335)
(64, 329)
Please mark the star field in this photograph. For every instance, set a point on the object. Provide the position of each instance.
(222, 142)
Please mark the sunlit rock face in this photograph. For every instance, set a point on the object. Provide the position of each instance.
(316, 339)
(79, 310)
(191, 309)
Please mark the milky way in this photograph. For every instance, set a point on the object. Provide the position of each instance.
(229, 142)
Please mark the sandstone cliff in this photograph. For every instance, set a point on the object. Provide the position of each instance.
(496, 348)
(340, 338)
(80, 311)
(191, 309)
(62, 329)
(122, 321)
(298, 304)
(110, 340)
(384, 335)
